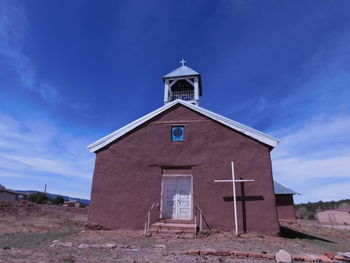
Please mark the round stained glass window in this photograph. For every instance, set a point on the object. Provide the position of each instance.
(177, 132)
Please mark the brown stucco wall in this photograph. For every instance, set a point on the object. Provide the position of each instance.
(128, 174)
(285, 207)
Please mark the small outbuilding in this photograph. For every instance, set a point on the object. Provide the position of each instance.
(284, 202)
(73, 203)
(7, 195)
(334, 217)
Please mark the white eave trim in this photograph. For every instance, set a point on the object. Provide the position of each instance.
(259, 136)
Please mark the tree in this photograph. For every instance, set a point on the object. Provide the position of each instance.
(39, 198)
(59, 200)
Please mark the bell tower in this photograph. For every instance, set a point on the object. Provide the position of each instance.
(182, 83)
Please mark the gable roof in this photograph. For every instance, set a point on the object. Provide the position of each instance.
(250, 132)
(281, 189)
(11, 191)
(181, 72)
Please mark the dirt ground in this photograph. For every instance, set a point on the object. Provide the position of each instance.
(55, 234)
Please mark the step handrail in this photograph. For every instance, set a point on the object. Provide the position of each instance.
(148, 217)
(201, 218)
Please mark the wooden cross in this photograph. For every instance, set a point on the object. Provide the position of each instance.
(233, 181)
(183, 62)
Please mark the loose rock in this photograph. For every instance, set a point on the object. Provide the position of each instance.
(160, 246)
(83, 246)
(344, 254)
(342, 258)
(110, 245)
(67, 244)
(283, 256)
(96, 246)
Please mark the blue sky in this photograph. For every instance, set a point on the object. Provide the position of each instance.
(74, 71)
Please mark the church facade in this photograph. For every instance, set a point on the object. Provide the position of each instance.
(171, 158)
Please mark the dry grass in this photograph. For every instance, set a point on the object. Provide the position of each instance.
(30, 236)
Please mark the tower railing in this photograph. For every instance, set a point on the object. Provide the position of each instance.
(183, 95)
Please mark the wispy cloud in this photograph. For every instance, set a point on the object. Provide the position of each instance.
(39, 151)
(13, 26)
(314, 159)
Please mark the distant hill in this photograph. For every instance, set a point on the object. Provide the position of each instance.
(52, 196)
(309, 210)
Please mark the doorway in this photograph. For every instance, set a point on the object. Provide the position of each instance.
(177, 197)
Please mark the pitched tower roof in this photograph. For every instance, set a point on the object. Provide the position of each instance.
(182, 71)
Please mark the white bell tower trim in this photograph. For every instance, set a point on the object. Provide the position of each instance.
(183, 83)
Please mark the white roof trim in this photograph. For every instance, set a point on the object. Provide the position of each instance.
(257, 135)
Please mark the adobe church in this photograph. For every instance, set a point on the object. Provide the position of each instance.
(162, 167)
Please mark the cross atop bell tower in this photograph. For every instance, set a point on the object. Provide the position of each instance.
(182, 83)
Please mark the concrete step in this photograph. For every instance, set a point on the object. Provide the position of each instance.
(178, 229)
(161, 225)
(173, 235)
(174, 229)
(171, 231)
(176, 221)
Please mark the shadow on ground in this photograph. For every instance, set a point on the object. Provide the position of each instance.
(292, 233)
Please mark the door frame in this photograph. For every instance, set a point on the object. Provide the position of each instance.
(164, 176)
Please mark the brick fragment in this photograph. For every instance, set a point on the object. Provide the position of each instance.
(255, 255)
(325, 259)
(313, 257)
(208, 252)
(223, 253)
(330, 255)
(268, 256)
(240, 254)
(308, 258)
(193, 252)
(298, 258)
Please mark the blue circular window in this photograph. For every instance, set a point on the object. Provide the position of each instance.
(178, 132)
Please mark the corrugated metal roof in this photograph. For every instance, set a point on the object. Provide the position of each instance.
(257, 135)
(281, 189)
(11, 191)
(181, 72)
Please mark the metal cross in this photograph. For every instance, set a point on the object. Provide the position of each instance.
(233, 181)
(183, 62)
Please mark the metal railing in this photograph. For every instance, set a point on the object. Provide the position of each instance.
(183, 95)
(198, 212)
(148, 217)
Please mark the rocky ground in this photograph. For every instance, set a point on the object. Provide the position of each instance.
(47, 234)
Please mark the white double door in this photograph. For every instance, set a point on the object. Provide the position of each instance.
(177, 197)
